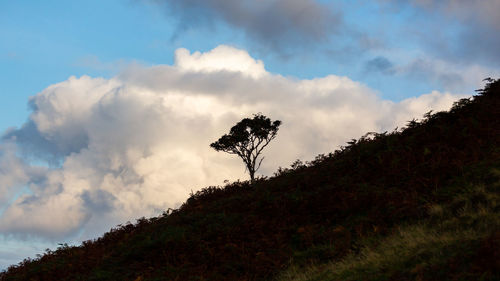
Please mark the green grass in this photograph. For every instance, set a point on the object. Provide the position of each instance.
(444, 246)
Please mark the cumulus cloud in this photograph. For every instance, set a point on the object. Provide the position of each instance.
(222, 58)
(279, 24)
(133, 145)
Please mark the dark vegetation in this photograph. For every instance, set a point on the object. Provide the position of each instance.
(342, 216)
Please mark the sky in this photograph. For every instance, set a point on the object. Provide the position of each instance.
(107, 108)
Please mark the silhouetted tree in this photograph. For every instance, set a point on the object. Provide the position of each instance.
(247, 139)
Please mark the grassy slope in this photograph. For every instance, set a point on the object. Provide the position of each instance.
(459, 240)
(383, 208)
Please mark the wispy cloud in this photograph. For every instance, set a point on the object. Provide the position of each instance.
(458, 30)
(452, 76)
(93, 62)
(380, 64)
(277, 24)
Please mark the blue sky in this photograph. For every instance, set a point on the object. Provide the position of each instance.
(98, 98)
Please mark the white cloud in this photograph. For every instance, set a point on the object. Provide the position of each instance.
(222, 58)
(138, 143)
(413, 106)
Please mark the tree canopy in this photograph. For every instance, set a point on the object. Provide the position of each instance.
(247, 139)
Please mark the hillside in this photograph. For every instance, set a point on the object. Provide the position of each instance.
(420, 203)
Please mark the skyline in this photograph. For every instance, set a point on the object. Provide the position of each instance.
(125, 96)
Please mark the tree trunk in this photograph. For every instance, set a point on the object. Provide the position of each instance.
(251, 171)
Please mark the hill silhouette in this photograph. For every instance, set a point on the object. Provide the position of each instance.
(419, 203)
